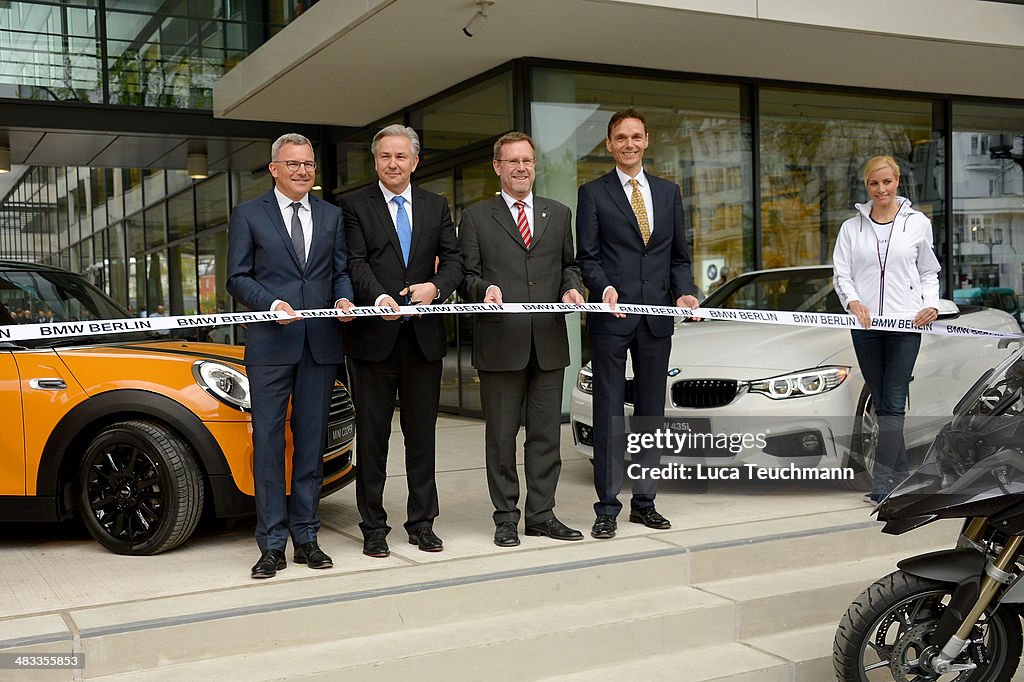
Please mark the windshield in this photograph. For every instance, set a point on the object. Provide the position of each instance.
(980, 453)
(28, 297)
(804, 290)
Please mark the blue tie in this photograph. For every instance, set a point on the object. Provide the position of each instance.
(404, 228)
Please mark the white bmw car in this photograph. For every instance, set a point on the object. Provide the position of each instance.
(796, 392)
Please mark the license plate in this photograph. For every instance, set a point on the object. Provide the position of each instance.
(688, 424)
(340, 433)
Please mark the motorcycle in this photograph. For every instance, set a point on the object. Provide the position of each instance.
(954, 614)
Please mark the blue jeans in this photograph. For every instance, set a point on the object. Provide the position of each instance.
(887, 360)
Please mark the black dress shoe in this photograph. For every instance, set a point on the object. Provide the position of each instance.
(554, 529)
(650, 517)
(311, 554)
(604, 527)
(271, 561)
(375, 544)
(425, 539)
(506, 535)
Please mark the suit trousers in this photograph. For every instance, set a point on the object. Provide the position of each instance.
(308, 384)
(650, 356)
(417, 383)
(502, 395)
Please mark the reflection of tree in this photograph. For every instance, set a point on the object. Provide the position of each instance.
(811, 177)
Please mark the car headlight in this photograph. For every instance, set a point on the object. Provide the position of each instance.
(224, 383)
(799, 384)
(585, 380)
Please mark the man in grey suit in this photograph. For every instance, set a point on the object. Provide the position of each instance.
(518, 247)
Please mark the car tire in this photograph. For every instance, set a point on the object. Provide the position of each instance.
(141, 490)
(863, 445)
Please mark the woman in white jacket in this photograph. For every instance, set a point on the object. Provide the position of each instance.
(885, 266)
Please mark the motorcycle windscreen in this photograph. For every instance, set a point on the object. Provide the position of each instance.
(975, 465)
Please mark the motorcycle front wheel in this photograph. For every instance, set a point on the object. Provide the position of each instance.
(887, 629)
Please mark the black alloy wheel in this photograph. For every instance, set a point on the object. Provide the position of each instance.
(141, 490)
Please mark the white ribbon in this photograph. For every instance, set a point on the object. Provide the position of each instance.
(46, 330)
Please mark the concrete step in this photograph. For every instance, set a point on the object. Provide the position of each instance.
(780, 544)
(657, 594)
(139, 635)
(523, 645)
(723, 663)
(799, 598)
(808, 650)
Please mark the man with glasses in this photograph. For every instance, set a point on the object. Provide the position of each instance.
(286, 251)
(518, 248)
(632, 249)
(402, 248)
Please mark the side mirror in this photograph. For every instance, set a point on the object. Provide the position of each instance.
(947, 309)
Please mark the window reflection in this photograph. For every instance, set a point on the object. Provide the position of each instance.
(698, 140)
(988, 214)
(813, 146)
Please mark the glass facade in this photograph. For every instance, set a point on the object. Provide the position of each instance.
(812, 148)
(987, 242)
(151, 53)
(699, 139)
(155, 241)
(768, 172)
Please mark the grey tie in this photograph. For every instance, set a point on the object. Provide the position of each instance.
(297, 240)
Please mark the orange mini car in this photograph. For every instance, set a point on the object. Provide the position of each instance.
(137, 433)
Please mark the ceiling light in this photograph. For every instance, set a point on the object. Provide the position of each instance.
(197, 163)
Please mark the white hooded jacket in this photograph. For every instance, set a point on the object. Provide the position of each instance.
(898, 282)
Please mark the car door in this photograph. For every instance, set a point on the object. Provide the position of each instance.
(12, 435)
(49, 391)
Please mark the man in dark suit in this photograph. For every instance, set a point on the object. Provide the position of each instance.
(632, 249)
(402, 247)
(286, 250)
(518, 247)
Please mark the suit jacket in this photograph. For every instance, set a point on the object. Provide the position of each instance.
(611, 252)
(377, 267)
(494, 253)
(263, 267)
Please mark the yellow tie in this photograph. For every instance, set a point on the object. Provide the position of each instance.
(637, 200)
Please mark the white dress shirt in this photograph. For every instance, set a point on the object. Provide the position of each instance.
(528, 209)
(645, 192)
(305, 217)
(393, 210)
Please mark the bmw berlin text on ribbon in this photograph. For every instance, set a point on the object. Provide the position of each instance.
(21, 332)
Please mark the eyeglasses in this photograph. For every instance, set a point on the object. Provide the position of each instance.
(519, 162)
(294, 165)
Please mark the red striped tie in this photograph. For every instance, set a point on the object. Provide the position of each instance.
(523, 224)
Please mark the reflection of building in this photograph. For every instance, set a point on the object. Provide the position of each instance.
(988, 214)
(762, 114)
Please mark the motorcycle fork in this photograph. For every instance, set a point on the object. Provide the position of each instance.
(996, 576)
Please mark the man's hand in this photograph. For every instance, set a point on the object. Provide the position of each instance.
(390, 303)
(493, 295)
(863, 315)
(284, 307)
(691, 302)
(611, 297)
(573, 296)
(420, 294)
(926, 316)
(345, 305)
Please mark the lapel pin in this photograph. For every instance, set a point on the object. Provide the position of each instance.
(543, 215)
